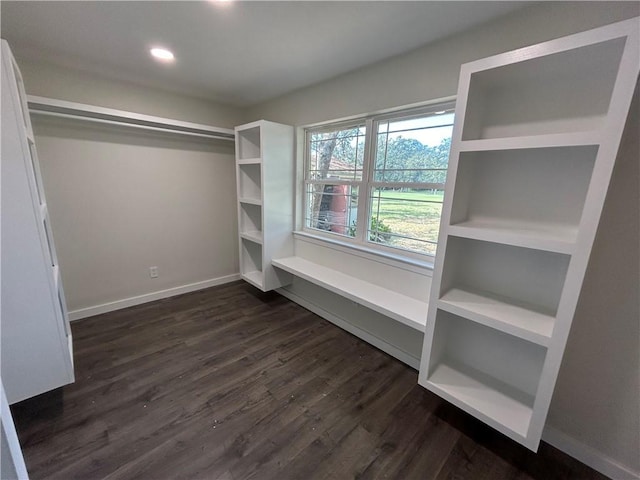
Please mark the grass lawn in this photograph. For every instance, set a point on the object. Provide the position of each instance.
(412, 214)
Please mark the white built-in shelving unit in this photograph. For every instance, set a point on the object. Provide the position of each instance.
(536, 137)
(264, 176)
(37, 351)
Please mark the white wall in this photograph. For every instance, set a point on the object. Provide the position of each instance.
(595, 411)
(123, 200)
(431, 72)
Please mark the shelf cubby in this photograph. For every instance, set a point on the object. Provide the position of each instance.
(248, 144)
(521, 277)
(486, 371)
(250, 221)
(566, 91)
(251, 258)
(249, 185)
(526, 197)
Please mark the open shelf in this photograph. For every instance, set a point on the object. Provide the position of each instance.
(562, 92)
(249, 161)
(248, 143)
(519, 276)
(486, 372)
(254, 277)
(249, 180)
(497, 313)
(253, 236)
(486, 398)
(250, 201)
(541, 236)
(251, 260)
(527, 197)
(572, 139)
(250, 219)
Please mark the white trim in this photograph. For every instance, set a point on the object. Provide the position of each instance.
(93, 113)
(392, 350)
(149, 297)
(366, 185)
(588, 455)
(374, 254)
(384, 111)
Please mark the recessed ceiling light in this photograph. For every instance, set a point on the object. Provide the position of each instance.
(162, 54)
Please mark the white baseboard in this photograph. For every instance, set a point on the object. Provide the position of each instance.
(149, 297)
(588, 455)
(401, 355)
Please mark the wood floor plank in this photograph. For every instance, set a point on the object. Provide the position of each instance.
(229, 383)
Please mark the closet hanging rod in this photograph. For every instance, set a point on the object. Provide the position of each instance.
(92, 113)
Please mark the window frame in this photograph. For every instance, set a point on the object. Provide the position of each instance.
(366, 184)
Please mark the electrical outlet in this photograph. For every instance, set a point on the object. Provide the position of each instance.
(153, 272)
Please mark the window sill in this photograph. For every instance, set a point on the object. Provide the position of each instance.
(424, 267)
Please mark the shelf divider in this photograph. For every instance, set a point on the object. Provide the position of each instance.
(539, 236)
(251, 201)
(501, 407)
(507, 317)
(573, 139)
(252, 236)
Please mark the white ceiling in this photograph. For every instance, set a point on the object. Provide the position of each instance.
(239, 53)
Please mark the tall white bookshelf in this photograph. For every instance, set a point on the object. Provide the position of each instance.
(37, 350)
(264, 176)
(536, 137)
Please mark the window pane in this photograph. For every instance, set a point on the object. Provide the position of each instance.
(406, 218)
(414, 150)
(337, 154)
(332, 208)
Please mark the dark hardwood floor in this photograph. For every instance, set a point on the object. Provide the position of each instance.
(230, 383)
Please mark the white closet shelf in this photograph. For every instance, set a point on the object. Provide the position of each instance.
(254, 278)
(573, 139)
(536, 235)
(493, 402)
(404, 309)
(495, 313)
(253, 236)
(65, 109)
(250, 201)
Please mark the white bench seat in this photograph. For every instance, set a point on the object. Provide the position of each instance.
(404, 309)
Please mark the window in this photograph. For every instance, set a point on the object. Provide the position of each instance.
(380, 180)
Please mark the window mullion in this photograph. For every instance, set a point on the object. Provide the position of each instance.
(364, 192)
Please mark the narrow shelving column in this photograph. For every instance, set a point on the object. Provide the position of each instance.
(536, 137)
(264, 175)
(37, 349)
